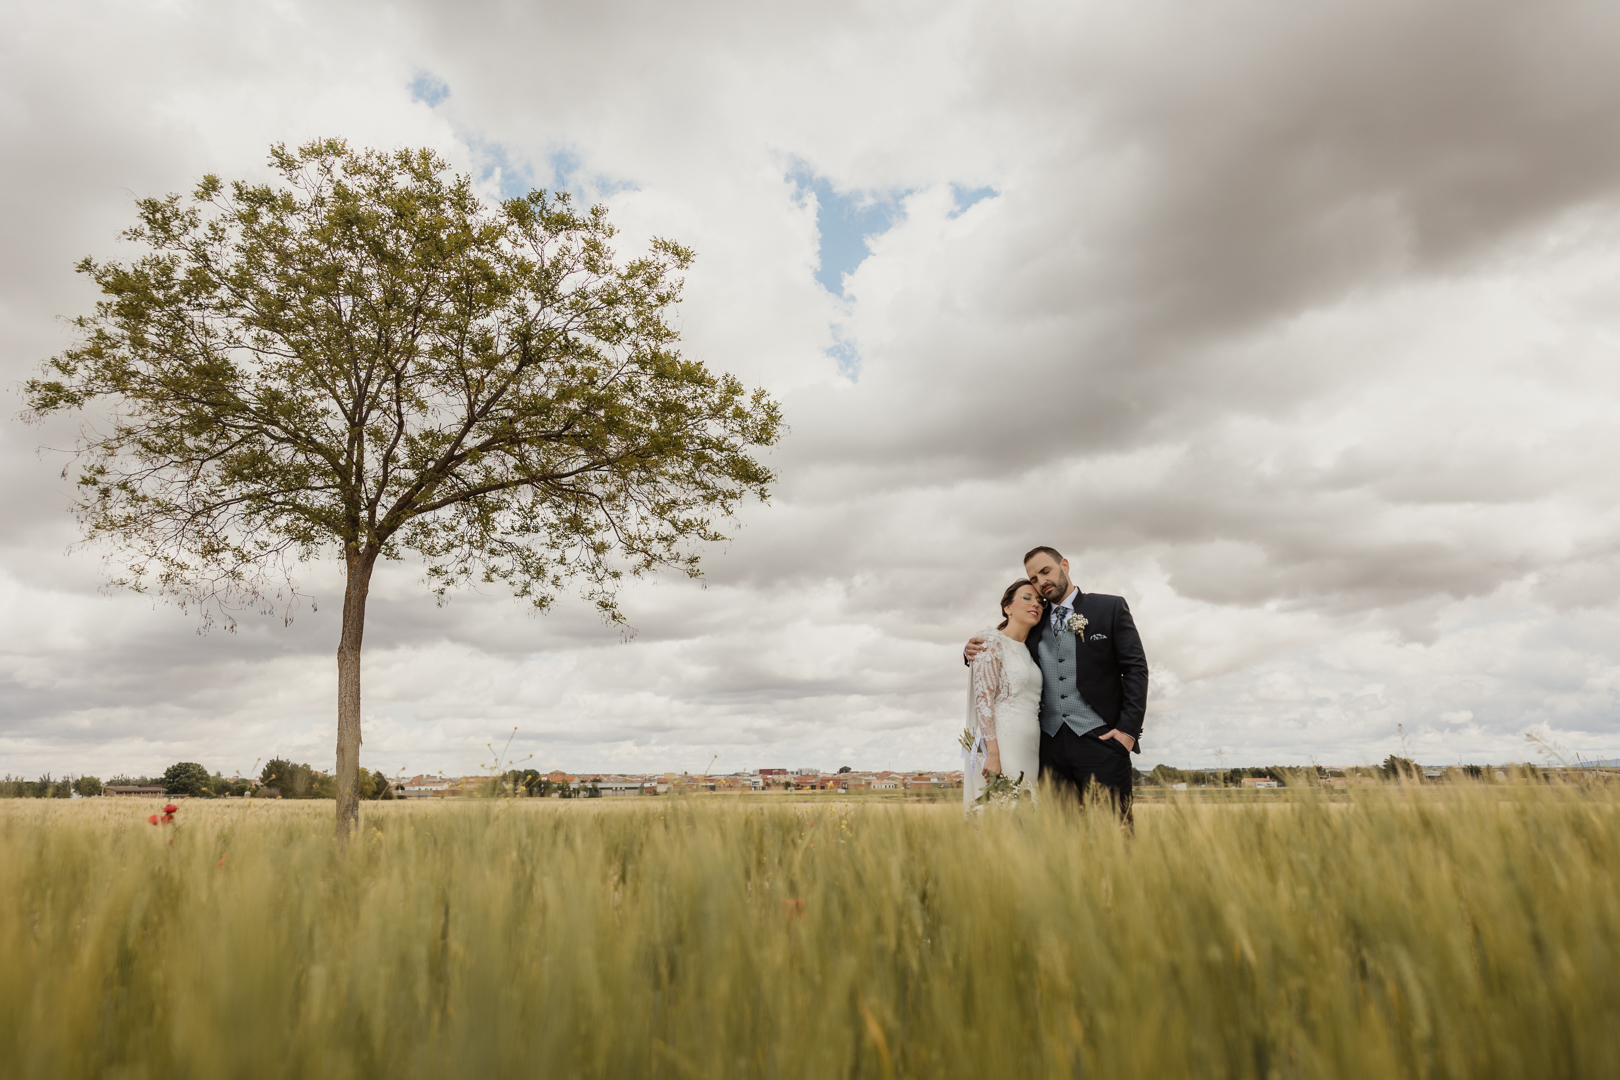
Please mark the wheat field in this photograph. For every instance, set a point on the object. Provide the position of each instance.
(1462, 931)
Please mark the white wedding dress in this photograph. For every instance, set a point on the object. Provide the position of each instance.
(1004, 703)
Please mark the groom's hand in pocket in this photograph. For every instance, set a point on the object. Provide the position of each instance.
(974, 648)
(1120, 737)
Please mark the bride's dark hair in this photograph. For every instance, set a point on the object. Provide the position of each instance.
(1007, 598)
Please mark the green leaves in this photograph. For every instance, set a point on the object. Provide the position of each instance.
(186, 778)
(364, 356)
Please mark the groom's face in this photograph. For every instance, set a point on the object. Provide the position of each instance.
(1051, 576)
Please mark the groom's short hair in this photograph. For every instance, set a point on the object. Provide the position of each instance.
(1043, 550)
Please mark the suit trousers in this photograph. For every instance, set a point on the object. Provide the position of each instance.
(1073, 763)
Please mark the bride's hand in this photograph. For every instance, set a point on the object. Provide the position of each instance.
(974, 648)
(992, 759)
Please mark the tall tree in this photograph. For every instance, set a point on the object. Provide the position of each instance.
(186, 778)
(366, 358)
(289, 779)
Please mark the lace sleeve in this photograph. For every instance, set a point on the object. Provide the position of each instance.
(988, 684)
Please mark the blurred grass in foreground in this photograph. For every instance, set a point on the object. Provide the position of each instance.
(1465, 932)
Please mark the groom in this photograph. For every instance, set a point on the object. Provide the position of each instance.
(1094, 680)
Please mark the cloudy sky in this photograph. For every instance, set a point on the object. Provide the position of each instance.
(1296, 325)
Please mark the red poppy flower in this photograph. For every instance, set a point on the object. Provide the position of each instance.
(153, 819)
(170, 809)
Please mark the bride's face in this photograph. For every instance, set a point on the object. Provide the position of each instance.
(1025, 609)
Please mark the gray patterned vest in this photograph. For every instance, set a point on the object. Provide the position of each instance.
(1061, 703)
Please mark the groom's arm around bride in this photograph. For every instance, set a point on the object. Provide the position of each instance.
(1094, 680)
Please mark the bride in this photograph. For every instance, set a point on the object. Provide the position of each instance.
(1004, 698)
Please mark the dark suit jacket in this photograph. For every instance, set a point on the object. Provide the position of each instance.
(1111, 670)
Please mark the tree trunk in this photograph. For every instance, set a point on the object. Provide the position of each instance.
(357, 586)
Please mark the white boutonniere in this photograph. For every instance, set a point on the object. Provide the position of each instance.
(1077, 625)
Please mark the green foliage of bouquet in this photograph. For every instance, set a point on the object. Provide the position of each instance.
(1000, 791)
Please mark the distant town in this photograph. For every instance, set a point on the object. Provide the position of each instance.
(282, 778)
(531, 783)
(604, 785)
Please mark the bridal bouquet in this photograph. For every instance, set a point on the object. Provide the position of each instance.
(1000, 791)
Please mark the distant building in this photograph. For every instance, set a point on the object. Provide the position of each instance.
(426, 787)
(134, 789)
(619, 787)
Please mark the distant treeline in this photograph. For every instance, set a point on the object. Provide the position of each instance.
(284, 779)
(279, 779)
(1393, 768)
(48, 787)
(528, 783)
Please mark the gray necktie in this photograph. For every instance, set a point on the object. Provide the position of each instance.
(1060, 616)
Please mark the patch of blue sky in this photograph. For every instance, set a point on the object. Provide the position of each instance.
(849, 360)
(568, 174)
(966, 197)
(518, 175)
(429, 89)
(565, 166)
(844, 221)
(496, 162)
